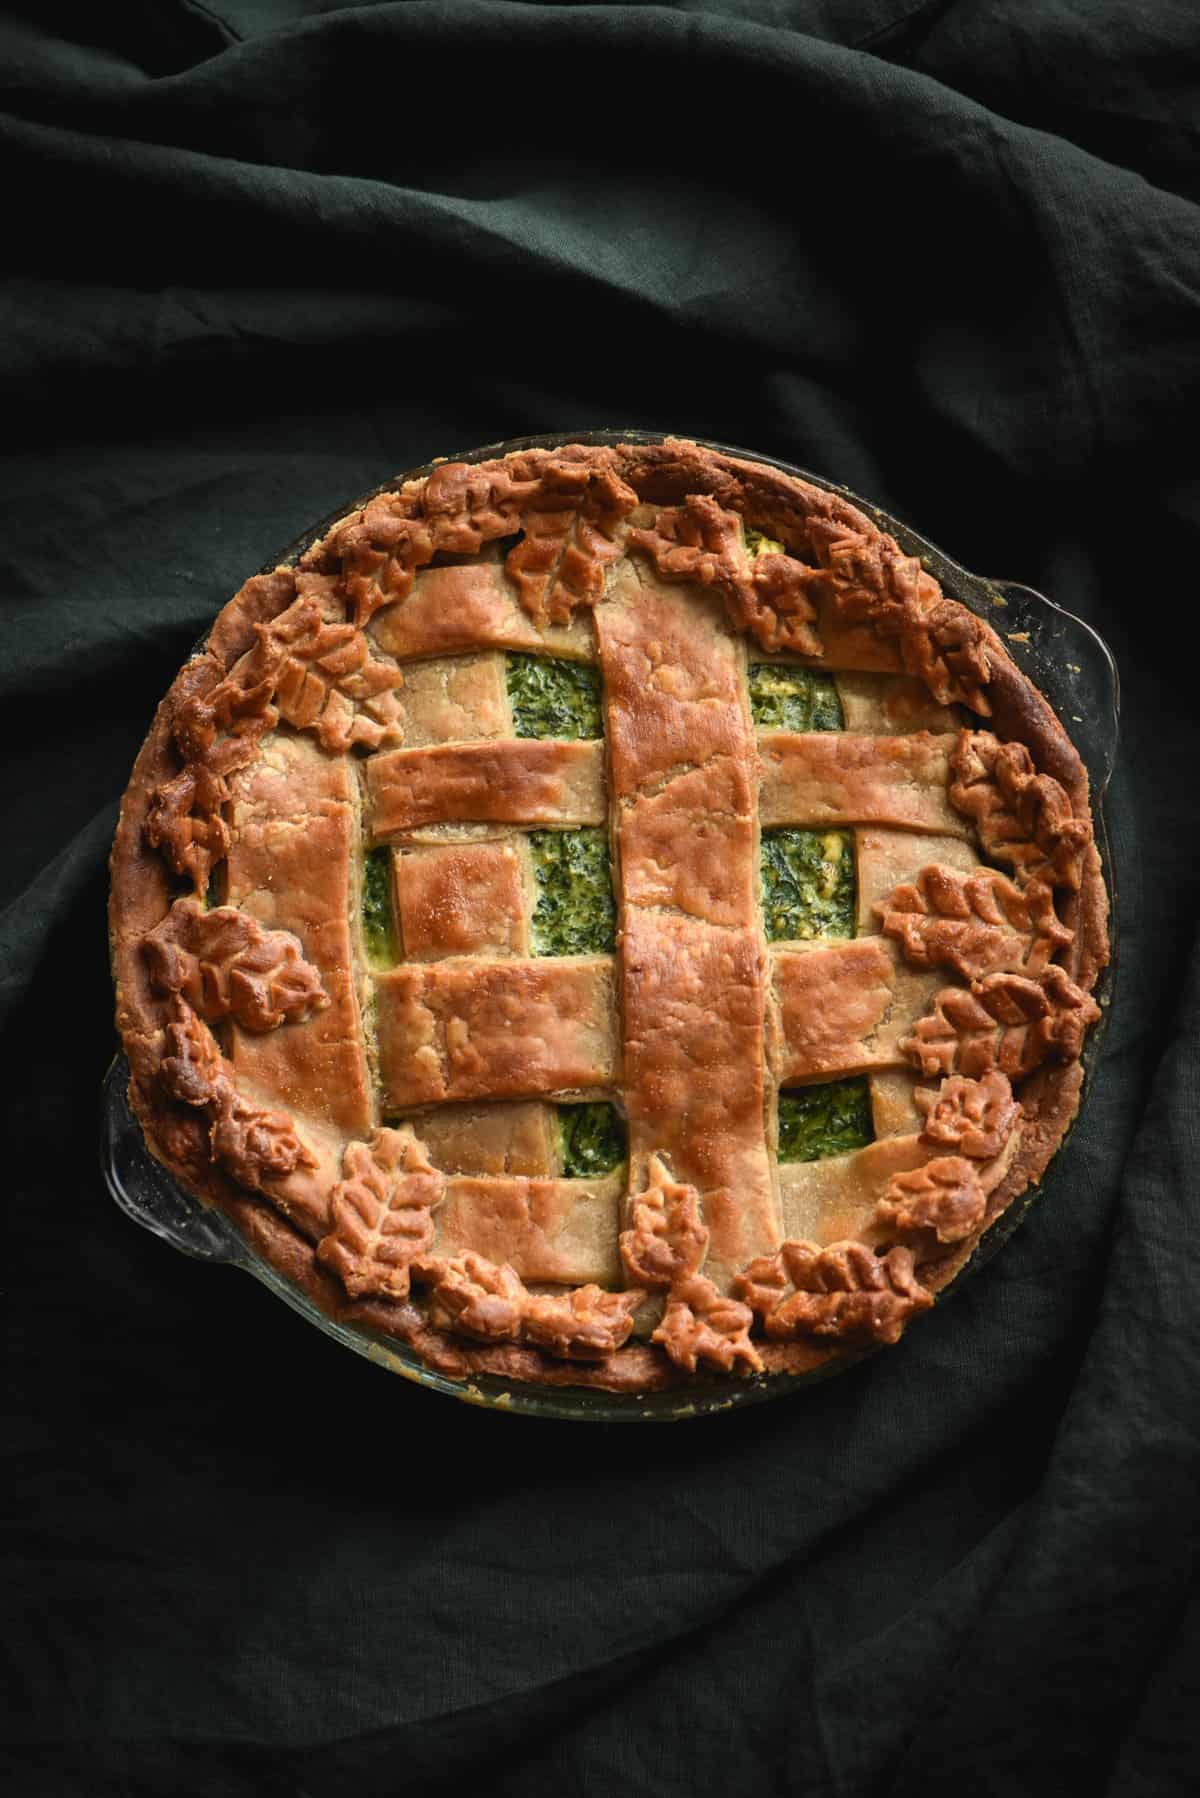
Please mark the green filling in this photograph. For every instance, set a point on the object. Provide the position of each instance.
(830, 1119)
(377, 907)
(759, 544)
(574, 914)
(592, 1138)
(807, 884)
(784, 697)
(553, 698)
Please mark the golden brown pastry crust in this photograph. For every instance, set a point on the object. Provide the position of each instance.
(310, 658)
(512, 782)
(690, 846)
(461, 899)
(563, 1231)
(294, 842)
(844, 1008)
(495, 1029)
(827, 778)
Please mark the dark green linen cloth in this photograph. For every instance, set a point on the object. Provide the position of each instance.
(261, 255)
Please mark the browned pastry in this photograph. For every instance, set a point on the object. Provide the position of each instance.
(606, 917)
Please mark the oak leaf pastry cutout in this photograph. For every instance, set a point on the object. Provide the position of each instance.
(668, 1238)
(252, 1143)
(586, 1117)
(226, 965)
(304, 669)
(571, 537)
(702, 1327)
(185, 815)
(945, 1195)
(974, 1118)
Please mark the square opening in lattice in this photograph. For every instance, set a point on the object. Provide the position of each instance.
(832, 1117)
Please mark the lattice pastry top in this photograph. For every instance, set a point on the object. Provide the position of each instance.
(605, 916)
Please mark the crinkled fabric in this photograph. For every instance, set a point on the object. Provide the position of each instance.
(263, 254)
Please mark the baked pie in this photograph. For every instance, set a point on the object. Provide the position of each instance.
(603, 916)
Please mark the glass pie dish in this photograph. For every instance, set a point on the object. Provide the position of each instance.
(1058, 653)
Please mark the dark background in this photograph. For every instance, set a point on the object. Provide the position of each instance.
(263, 254)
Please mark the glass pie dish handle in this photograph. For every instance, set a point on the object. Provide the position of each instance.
(1066, 658)
(145, 1191)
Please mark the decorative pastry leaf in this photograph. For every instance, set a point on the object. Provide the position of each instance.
(668, 1240)
(972, 1117)
(702, 1326)
(945, 1196)
(185, 815)
(379, 551)
(469, 504)
(766, 595)
(479, 1298)
(252, 1143)
(192, 1066)
(584, 1323)
(571, 536)
(457, 510)
(227, 966)
(844, 1291)
(943, 645)
(474, 1295)
(1007, 1022)
(241, 711)
(868, 577)
(381, 1210)
(1023, 818)
(316, 673)
(872, 582)
(977, 924)
(324, 678)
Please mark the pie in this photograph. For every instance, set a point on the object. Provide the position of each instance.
(603, 916)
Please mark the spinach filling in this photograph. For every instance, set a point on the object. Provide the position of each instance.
(785, 697)
(574, 913)
(759, 544)
(830, 1119)
(807, 883)
(592, 1140)
(378, 928)
(553, 698)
